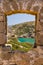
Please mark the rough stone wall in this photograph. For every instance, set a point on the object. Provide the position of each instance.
(3, 29)
(34, 56)
(7, 6)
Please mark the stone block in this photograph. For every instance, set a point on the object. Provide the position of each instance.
(1, 18)
(1, 26)
(2, 38)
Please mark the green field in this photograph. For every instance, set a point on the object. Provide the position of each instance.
(19, 46)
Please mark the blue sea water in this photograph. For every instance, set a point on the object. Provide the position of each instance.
(28, 40)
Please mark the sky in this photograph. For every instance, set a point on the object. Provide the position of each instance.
(19, 18)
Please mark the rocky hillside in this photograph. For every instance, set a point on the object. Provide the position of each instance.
(18, 30)
(22, 29)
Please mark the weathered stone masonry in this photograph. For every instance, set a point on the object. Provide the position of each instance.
(10, 6)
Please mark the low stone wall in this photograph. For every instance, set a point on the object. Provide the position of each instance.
(33, 57)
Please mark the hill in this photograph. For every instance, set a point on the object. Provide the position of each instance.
(23, 29)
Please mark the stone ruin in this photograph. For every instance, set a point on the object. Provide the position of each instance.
(34, 56)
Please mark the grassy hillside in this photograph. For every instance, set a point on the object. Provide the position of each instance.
(19, 46)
